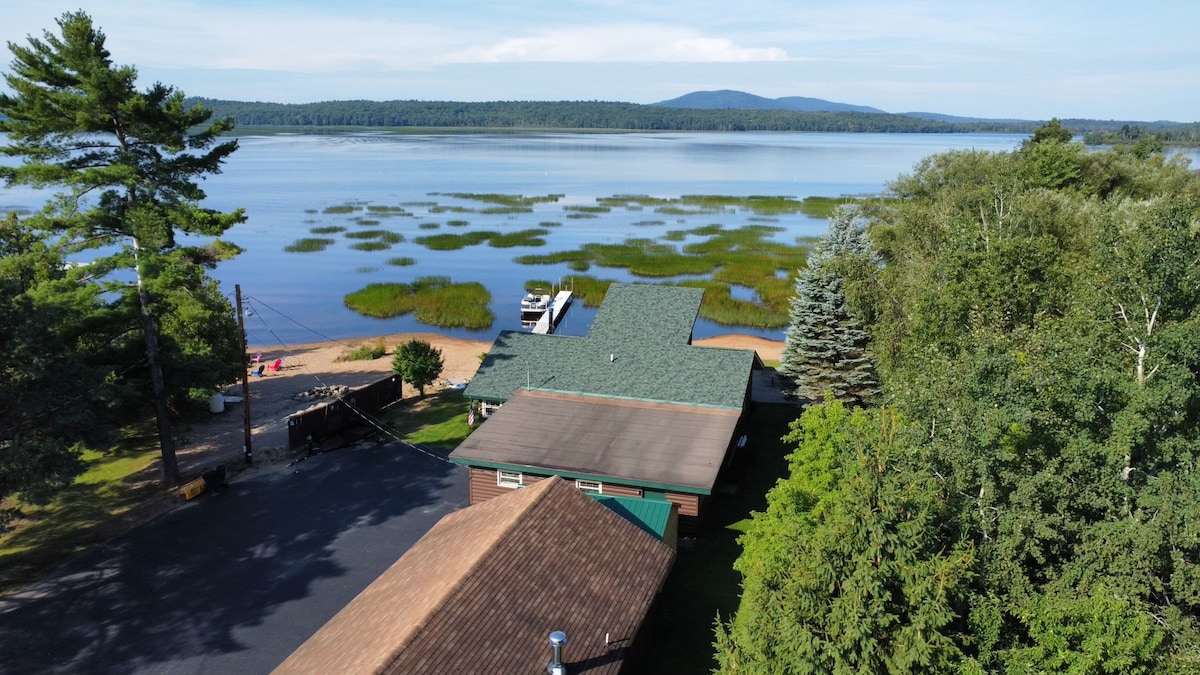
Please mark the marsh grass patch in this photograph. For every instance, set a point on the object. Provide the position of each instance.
(309, 245)
(453, 241)
(529, 237)
(434, 301)
(370, 246)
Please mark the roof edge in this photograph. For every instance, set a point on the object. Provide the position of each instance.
(544, 470)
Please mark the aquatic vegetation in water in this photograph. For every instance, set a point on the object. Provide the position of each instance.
(389, 211)
(308, 245)
(457, 223)
(744, 256)
(822, 207)
(453, 241)
(434, 301)
(530, 237)
(516, 201)
(429, 226)
(370, 246)
(341, 209)
(327, 229)
(402, 261)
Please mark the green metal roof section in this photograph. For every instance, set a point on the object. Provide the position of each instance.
(651, 515)
(638, 347)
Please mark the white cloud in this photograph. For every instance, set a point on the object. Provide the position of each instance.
(618, 43)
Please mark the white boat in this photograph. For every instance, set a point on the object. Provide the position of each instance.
(533, 306)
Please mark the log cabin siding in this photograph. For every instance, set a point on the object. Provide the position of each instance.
(483, 486)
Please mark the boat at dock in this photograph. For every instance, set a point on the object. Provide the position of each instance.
(533, 306)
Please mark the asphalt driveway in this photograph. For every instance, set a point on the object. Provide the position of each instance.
(233, 582)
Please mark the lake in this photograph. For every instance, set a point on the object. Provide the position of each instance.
(290, 184)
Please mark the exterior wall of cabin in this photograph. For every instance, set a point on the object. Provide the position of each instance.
(483, 485)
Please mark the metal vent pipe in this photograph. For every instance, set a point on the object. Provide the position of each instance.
(558, 640)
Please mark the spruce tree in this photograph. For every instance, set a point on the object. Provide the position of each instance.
(826, 346)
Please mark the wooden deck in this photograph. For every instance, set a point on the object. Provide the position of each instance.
(552, 317)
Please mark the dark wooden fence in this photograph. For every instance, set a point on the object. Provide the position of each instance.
(342, 413)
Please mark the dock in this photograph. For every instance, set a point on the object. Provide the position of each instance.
(553, 315)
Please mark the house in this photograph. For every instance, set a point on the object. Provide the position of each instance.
(632, 409)
(484, 588)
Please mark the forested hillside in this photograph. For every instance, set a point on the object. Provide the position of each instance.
(567, 115)
(611, 116)
(1021, 496)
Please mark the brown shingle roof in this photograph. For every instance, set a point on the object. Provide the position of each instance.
(482, 590)
(661, 445)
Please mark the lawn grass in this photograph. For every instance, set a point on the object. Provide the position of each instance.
(438, 419)
(118, 490)
(703, 582)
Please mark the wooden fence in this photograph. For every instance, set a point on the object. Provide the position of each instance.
(342, 413)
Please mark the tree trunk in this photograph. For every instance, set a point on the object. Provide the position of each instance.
(170, 465)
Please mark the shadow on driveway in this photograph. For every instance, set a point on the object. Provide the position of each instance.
(233, 582)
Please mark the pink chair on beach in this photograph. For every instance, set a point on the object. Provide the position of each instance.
(257, 358)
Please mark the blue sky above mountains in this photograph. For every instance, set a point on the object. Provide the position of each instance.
(1019, 58)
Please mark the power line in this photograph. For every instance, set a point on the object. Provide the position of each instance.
(366, 417)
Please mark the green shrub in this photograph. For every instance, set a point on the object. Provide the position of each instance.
(366, 352)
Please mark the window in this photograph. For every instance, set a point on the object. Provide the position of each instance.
(590, 485)
(509, 479)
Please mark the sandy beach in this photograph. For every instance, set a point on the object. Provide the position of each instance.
(308, 366)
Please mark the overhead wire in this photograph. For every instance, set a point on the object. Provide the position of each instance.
(366, 417)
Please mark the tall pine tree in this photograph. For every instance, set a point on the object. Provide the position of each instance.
(826, 349)
(127, 164)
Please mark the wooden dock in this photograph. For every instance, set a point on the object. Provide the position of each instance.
(553, 315)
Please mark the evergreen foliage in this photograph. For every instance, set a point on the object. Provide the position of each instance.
(826, 346)
(127, 163)
(1040, 339)
(327, 116)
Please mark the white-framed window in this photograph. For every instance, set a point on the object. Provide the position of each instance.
(509, 479)
(590, 485)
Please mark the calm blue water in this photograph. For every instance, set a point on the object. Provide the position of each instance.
(285, 182)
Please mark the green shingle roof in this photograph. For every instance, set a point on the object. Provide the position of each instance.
(638, 347)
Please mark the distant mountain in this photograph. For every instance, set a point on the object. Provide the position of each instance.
(728, 99)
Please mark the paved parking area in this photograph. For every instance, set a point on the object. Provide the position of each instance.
(233, 582)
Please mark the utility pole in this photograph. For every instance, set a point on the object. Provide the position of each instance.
(246, 448)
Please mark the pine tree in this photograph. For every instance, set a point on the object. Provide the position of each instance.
(127, 163)
(827, 348)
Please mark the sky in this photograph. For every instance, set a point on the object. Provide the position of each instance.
(1025, 59)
